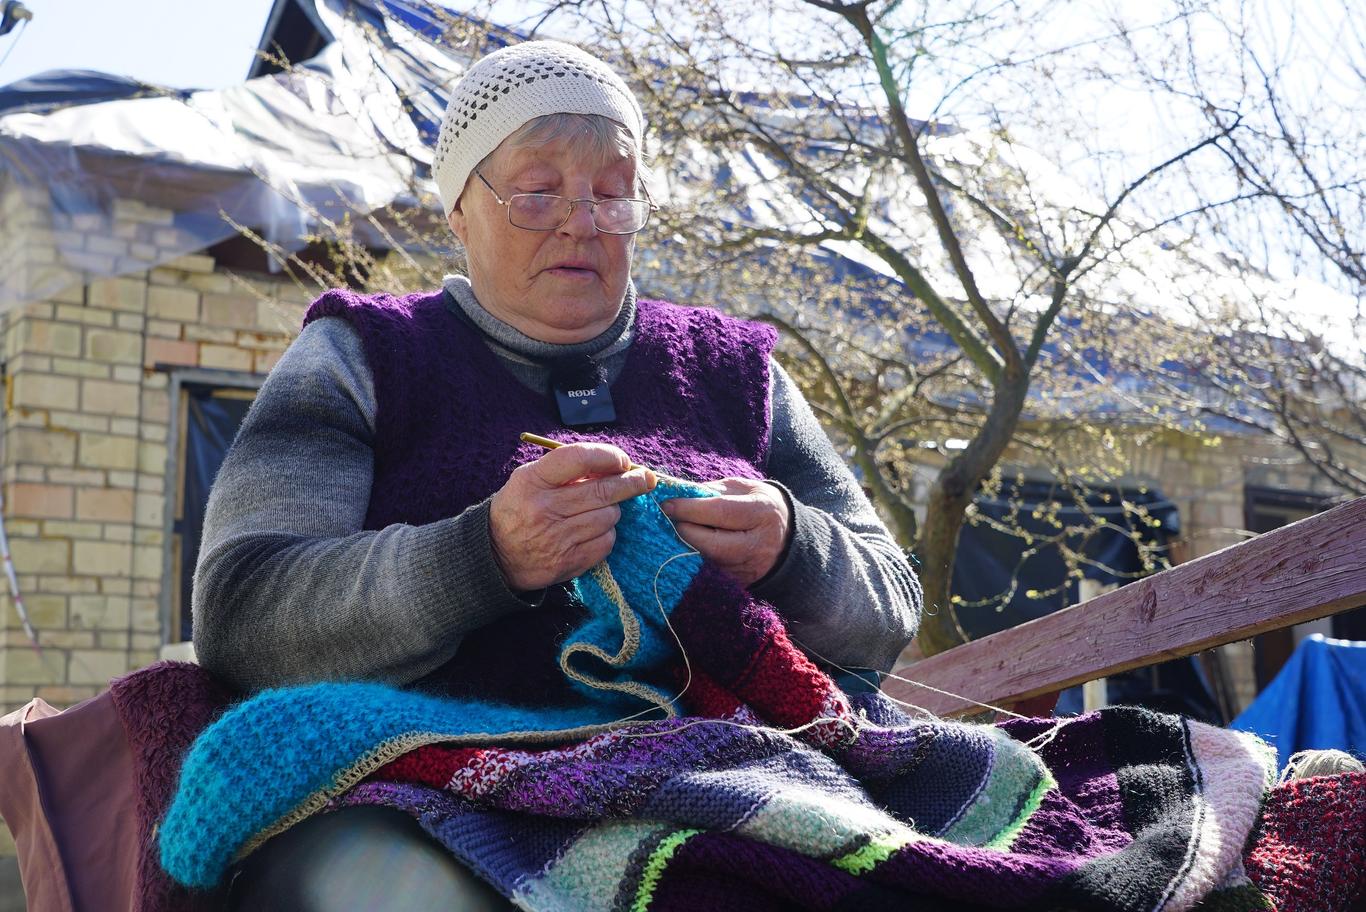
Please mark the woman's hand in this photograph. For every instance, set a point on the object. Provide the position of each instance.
(744, 530)
(556, 517)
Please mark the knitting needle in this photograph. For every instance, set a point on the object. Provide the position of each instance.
(547, 443)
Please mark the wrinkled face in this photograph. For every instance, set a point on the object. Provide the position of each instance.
(557, 286)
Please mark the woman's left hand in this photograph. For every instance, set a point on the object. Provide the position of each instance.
(744, 530)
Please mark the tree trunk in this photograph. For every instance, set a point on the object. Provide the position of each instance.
(954, 488)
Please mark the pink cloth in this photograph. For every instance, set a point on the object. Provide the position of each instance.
(83, 789)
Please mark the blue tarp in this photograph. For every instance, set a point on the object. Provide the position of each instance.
(1317, 701)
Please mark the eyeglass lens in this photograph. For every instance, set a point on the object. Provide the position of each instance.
(543, 211)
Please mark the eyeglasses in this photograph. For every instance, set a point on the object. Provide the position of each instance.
(547, 211)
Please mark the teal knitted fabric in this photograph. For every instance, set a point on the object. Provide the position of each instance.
(324, 737)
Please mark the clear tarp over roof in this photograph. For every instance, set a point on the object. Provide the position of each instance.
(349, 131)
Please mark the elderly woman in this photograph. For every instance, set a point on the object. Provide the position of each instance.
(378, 518)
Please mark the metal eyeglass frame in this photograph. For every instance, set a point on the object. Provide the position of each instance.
(592, 208)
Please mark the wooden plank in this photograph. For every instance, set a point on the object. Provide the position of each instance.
(1310, 569)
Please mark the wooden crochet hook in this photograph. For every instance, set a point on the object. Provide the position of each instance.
(547, 443)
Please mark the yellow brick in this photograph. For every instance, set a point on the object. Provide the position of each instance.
(77, 421)
(43, 501)
(56, 639)
(130, 210)
(146, 614)
(171, 303)
(152, 457)
(282, 317)
(90, 316)
(150, 510)
(156, 405)
(100, 612)
(224, 357)
(107, 451)
(45, 391)
(45, 447)
(103, 558)
(118, 294)
(132, 321)
(88, 477)
(147, 536)
(237, 311)
(200, 333)
(45, 612)
(108, 398)
(164, 329)
(21, 665)
(50, 338)
(66, 583)
(90, 666)
(118, 533)
(112, 639)
(104, 504)
(209, 281)
(65, 528)
(114, 346)
(192, 263)
(147, 561)
(78, 368)
(116, 586)
(39, 556)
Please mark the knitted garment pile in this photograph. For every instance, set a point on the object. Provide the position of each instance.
(776, 790)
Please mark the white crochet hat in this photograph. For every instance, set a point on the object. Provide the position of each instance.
(516, 84)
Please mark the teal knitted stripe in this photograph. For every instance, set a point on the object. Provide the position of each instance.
(268, 756)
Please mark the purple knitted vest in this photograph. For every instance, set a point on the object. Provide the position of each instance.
(692, 400)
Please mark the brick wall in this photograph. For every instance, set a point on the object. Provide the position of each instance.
(85, 439)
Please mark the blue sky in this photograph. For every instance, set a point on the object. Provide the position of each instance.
(182, 43)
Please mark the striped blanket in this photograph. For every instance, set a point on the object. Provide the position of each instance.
(774, 790)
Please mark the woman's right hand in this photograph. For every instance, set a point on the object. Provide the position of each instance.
(556, 517)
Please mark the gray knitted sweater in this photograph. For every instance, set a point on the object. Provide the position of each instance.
(290, 588)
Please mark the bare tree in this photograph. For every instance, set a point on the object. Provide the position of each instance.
(971, 268)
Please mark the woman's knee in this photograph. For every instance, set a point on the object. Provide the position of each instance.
(354, 859)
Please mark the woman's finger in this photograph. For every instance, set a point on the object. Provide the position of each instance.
(722, 512)
(595, 493)
(579, 460)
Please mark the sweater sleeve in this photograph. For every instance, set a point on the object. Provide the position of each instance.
(288, 586)
(845, 587)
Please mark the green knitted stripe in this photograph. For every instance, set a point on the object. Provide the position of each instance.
(654, 868)
(874, 853)
(1027, 809)
(1009, 794)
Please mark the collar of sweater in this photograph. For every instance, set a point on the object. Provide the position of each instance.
(518, 346)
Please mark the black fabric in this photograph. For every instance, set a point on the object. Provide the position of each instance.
(357, 859)
(988, 559)
(211, 426)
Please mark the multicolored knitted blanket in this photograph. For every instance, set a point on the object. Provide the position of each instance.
(775, 790)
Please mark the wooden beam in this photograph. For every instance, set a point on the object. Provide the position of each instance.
(1310, 569)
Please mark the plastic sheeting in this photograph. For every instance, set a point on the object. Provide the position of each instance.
(1317, 701)
(347, 132)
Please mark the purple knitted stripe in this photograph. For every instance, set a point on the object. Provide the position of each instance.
(619, 774)
(692, 400)
(721, 872)
(163, 708)
(995, 879)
